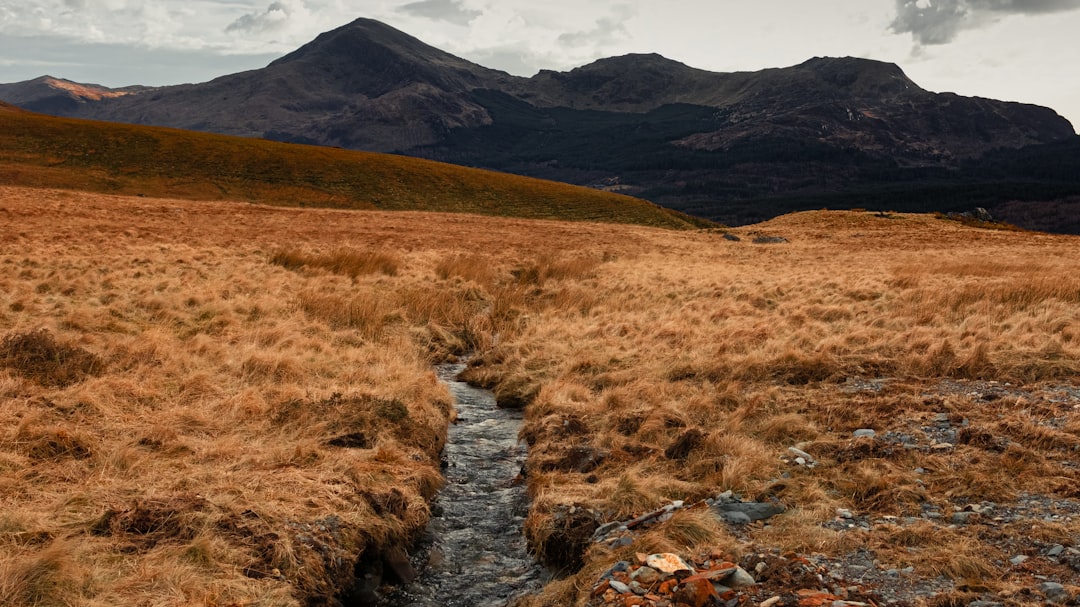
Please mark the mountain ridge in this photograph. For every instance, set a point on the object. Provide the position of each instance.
(698, 141)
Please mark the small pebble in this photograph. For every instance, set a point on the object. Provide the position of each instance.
(864, 433)
(1056, 550)
(1018, 559)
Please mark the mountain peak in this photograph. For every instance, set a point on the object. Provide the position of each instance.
(372, 58)
(861, 76)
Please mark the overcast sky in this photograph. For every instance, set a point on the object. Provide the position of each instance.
(1017, 50)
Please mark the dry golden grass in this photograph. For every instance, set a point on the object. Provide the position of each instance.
(264, 398)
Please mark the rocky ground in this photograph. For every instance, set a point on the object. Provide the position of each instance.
(1029, 564)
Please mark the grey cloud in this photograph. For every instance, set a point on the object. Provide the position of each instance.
(275, 15)
(451, 11)
(607, 30)
(939, 21)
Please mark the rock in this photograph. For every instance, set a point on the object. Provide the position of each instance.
(800, 453)
(985, 604)
(668, 563)
(607, 529)
(982, 214)
(1054, 592)
(1018, 559)
(740, 579)
(1055, 550)
(696, 591)
(962, 518)
(864, 433)
(844, 513)
(769, 602)
(619, 587)
(764, 239)
(620, 567)
(755, 511)
(734, 518)
(645, 575)
(731, 237)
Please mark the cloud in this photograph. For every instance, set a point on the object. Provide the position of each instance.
(451, 11)
(273, 18)
(606, 31)
(939, 21)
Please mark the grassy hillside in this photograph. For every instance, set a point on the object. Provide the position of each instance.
(219, 404)
(42, 151)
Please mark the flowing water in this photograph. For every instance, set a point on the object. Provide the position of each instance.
(476, 553)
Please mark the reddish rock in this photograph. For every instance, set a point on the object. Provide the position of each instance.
(814, 598)
(696, 591)
(667, 586)
(601, 588)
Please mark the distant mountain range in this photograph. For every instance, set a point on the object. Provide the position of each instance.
(733, 147)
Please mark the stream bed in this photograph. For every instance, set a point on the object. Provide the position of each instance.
(474, 553)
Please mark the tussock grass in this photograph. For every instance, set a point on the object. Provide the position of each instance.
(350, 262)
(241, 403)
(37, 355)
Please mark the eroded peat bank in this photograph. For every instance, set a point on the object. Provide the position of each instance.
(230, 404)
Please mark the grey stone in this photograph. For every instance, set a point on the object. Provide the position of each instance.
(735, 518)
(985, 604)
(1018, 559)
(731, 237)
(619, 587)
(637, 588)
(864, 433)
(1055, 550)
(754, 511)
(1054, 592)
(962, 518)
(739, 579)
(844, 513)
(800, 453)
(616, 568)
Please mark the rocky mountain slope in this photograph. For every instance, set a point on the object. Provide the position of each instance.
(738, 147)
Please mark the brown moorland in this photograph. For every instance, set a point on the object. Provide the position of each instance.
(212, 403)
(84, 155)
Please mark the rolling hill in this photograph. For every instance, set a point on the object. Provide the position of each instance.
(45, 151)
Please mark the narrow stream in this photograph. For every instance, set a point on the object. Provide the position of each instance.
(476, 553)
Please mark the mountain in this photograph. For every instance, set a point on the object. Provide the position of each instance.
(51, 95)
(45, 151)
(735, 147)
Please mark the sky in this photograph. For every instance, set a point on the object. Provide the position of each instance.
(1015, 50)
